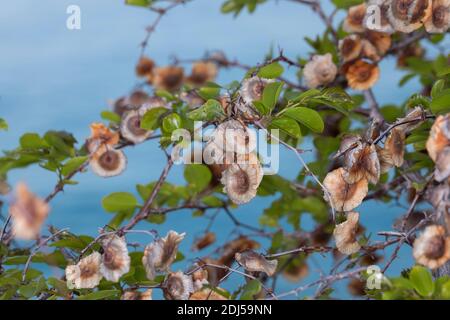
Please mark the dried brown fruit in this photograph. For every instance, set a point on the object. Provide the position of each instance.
(344, 196)
(345, 234)
(432, 248)
(255, 262)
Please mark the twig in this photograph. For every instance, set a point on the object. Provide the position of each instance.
(36, 250)
(232, 270)
(305, 166)
(317, 8)
(398, 123)
(161, 12)
(328, 279)
(375, 113)
(299, 250)
(407, 41)
(4, 227)
(60, 185)
(241, 224)
(144, 212)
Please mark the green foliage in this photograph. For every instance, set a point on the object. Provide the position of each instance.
(210, 111)
(236, 6)
(250, 290)
(271, 71)
(415, 284)
(152, 118)
(198, 177)
(308, 117)
(3, 125)
(318, 116)
(110, 116)
(139, 3)
(119, 201)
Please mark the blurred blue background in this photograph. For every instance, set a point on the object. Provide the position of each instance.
(55, 78)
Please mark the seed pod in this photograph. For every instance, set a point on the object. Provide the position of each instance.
(345, 234)
(252, 89)
(362, 163)
(130, 127)
(320, 70)
(178, 286)
(360, 74)
(408, 15)
(255, 262)
(85, 274)
(439, 19)
(205, 241)
(108, 162)
(202, 72)
(168, 78)
(28, 213)
(344, 196)
(145, 67)
(137, 295)
(350, 47)
(355, 18)
(160, 254)
(115, 259)
(432, 248)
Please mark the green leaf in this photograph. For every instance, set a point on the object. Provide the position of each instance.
(251, 289)
(198, 176)
(261, 108)
(61, 141)
(406, 78)
(139, 3)
(209, 111)
(171, 123)
(210, 91)
(119, 201)
(33, 288)
(422, 281)
(165, 94)
(72, 165)
(151, 118)
(345, 4)
(417, 100)
(32, 141)
(271, 94)
(110, 116)
(287, 125)
(212, 201)
(98, 295)
(306, 116)
(441, 102)
(437, 88)
(59, 285)
(157, 218)
(73, 242)
(3, 124)
(335, 98)
(445, 291)
(271, 71)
